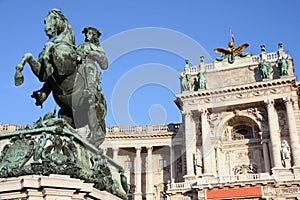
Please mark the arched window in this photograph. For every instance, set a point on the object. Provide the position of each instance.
(240, 128)
(242, 132)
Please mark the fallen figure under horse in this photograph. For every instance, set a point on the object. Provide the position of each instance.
(71, 74)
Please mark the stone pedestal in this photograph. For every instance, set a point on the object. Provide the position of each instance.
(278, 171)
(53, 147)
(51, 187)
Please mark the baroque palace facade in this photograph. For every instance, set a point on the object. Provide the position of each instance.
(239, 136)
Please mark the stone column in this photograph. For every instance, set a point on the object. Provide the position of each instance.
(274, 136)
(189, 137)
(266, 156)
(294, 139)
(138, 174)
(149, 194)
(104, 151)
(172, 162)
(206, 144)
(115, 154)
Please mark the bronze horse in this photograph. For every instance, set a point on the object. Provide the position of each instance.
(65, 75)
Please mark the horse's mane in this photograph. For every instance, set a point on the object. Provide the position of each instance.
(65, 32)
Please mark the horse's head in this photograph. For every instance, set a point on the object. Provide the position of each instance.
(56, 24)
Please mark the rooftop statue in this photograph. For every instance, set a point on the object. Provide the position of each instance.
(231, 52)
(283, 65)
(265, 69)
(70, 73)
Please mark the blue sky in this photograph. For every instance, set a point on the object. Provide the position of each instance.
(146, 43)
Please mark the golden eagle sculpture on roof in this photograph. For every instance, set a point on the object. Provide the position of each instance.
(231, 52)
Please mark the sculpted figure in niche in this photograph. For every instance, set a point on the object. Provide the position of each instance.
(198, 162)
(286, 154)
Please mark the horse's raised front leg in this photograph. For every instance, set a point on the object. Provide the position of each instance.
(35, 67)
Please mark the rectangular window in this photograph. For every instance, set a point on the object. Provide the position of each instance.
(5, 127)
(128, 165)
(162, 163)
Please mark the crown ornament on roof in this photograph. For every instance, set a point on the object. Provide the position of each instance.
(231, 52)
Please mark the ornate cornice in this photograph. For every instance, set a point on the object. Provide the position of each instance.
(140, 136)
(258, 89)
(239, 89)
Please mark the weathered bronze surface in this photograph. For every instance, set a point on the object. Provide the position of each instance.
(70, 73)
(283, 65)
(265, 69)
(52, 146)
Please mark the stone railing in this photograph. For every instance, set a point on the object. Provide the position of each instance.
(161, 128)
(286, 177)
(234, 179)
(197, 68)
(182, 185)
(272, 56)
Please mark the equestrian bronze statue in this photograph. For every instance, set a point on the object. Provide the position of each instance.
(70, 72)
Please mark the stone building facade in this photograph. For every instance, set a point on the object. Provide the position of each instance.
(244, 125)
(239, 136)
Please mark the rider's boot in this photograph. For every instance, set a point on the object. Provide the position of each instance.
(96, 138)
(97, 126)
